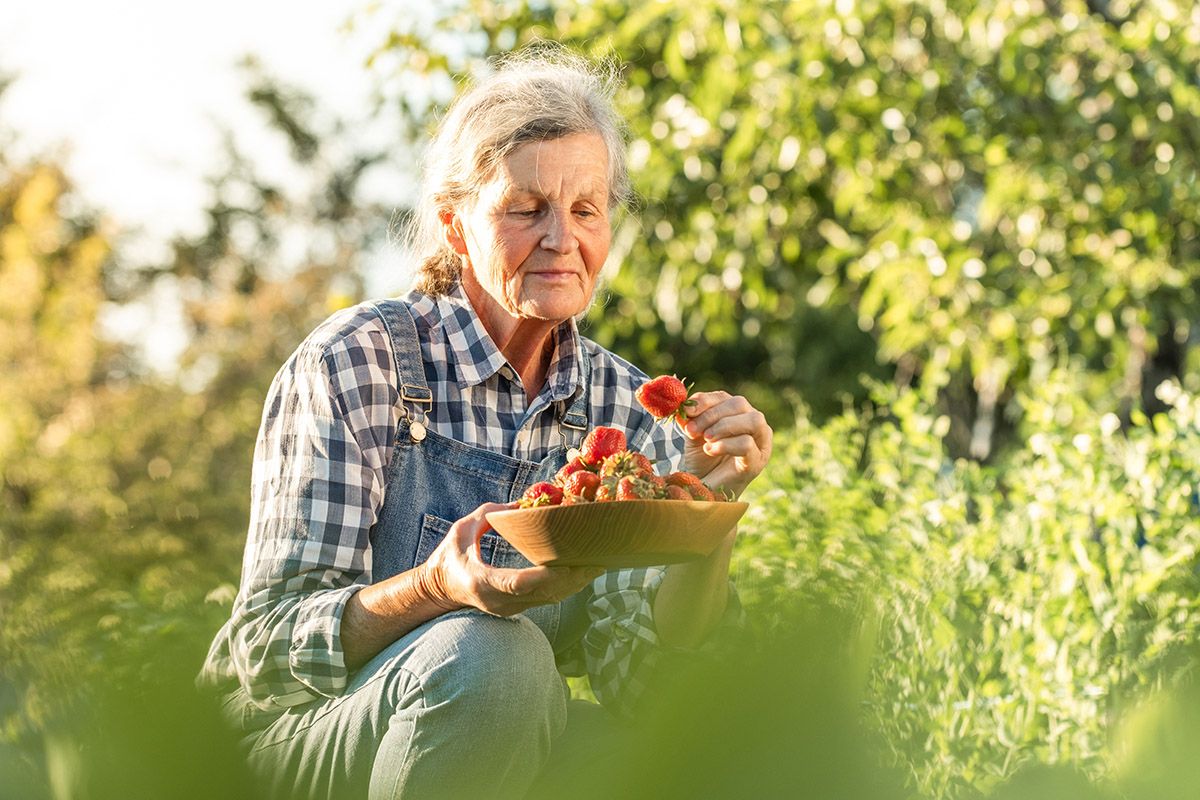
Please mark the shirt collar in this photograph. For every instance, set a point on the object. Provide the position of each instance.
(477, 358)
(565, 376)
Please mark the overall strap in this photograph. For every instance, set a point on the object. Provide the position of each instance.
(575, 418)
(406, 349)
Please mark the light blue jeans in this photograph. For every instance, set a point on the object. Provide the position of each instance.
(466, 705)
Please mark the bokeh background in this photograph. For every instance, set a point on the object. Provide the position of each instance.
(949, 247)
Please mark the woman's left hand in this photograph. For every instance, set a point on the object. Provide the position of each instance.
(728, 441)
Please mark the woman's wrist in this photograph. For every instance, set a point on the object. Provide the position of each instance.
(379, 614)
(431, 586)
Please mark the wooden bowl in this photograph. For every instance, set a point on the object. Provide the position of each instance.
(628, 533)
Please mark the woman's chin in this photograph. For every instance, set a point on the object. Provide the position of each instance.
(557, 307)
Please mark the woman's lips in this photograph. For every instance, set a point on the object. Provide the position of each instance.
(554, 274)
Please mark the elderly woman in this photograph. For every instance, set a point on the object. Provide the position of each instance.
(384, 640)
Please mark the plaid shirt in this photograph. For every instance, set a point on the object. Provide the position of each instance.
(327, 432)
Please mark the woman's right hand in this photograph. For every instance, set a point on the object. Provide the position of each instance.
(455, 577)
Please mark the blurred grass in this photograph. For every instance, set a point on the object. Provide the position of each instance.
(142, 732)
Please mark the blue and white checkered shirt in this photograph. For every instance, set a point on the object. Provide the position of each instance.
(331, 417)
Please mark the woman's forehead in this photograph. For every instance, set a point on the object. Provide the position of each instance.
(576, 164)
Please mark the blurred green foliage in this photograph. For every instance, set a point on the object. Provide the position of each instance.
(781, 719)
(971, 574)
(124, 484)
(1020, 607)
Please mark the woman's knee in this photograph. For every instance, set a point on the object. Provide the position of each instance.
(489, 667)
(493, 658)
(483, 692)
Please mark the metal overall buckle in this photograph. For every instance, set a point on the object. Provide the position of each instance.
(418, 428)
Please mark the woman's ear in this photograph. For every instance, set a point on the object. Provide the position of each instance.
(452, 231)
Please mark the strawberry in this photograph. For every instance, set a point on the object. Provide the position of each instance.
(643, 463)
(626, 462)
(677, 493)
(581, 485)
(601, 443)
(691, 484)
(541, 494)
(628, 489)
(606, 492)
(664, 397)
(570, 468)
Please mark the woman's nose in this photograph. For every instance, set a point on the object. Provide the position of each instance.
(559, 237)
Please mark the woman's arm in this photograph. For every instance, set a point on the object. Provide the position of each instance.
(383, 612)
(633, 612)
(454, 577)
(728, 445)
(316, 489)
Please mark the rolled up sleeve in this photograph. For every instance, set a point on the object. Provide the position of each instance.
(291, 653)
(620, 646)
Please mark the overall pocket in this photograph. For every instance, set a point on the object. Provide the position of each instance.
(492, 549)
(433, 530)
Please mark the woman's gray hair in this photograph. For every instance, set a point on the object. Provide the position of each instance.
(540, 93)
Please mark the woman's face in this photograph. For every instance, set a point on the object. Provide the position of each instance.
(538, 232)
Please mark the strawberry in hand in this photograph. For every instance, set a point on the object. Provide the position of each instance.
(664, 397)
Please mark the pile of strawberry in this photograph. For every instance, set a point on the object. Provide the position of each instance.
(605, 471)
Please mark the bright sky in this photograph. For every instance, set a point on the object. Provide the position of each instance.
(137, 92)
(135, 88)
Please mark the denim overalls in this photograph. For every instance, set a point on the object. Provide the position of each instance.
(433, 480)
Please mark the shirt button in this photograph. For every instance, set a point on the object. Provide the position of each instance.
(507, 372)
